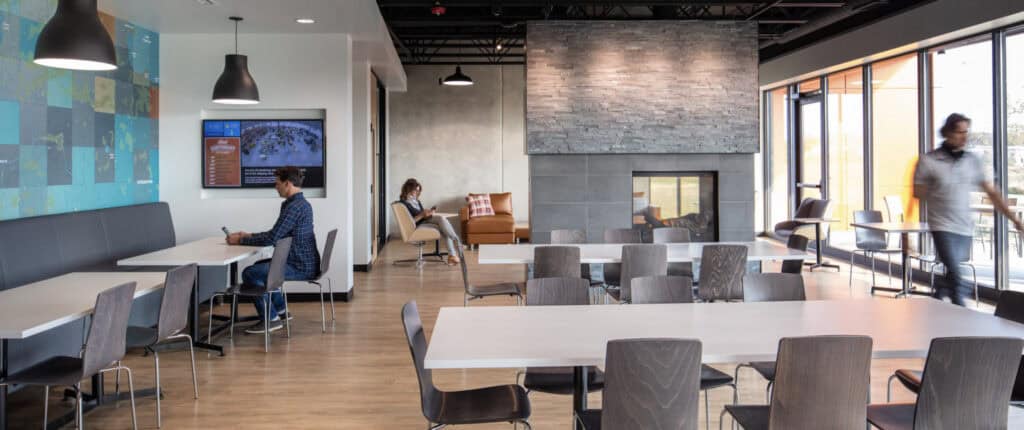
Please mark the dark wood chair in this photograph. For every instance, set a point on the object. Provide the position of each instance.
(574, 237)
(770, 287)
(637, 261)
(822, 383)
(501, 403)
(799, 243)
(612, 271)
(650, 384)
(473, 292)
(274, 283)
(966, 384)
(721, 272)
(556, 262)
(674, 235)
(870, 242)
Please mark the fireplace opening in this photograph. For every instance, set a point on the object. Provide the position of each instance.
(687, 200)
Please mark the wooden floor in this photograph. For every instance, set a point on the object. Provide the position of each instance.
(359, 374)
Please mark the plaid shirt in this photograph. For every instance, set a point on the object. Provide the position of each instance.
(295, 221)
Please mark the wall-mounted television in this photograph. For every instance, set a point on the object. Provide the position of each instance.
(243, 153)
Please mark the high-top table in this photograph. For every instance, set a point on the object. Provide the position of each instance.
(817, 241)
(211, 251)
(612, 252)
(34, 308)
(904, 229)
(542, 336)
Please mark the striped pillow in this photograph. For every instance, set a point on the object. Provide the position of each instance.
(479, 205)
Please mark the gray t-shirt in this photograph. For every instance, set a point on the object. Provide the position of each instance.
(950, 182)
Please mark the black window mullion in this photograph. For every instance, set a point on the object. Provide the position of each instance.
(867, 123)
(1000, 154)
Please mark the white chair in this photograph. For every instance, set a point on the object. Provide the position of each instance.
(417, 236)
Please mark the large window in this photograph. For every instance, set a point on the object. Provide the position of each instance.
(779, 155)
(845, 152)
(961, 82)
(1015, 147)
(894, 121)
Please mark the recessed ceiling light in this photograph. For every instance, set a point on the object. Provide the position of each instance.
(305, 20)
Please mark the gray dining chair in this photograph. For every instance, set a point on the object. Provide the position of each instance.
(823, 382)
(557, 292)
(674, 235)
(612, 271)
(679, 289)
(170, 327)
(473, 292)
(501, 403)
(325, 266)
(966, 384)
(578, 237)
(870, 242)
(638, 261)
(650, 384)
(796, 242)
(102, 352)
(275, 282)
(1010, 307)
(721, 272)
(770, 287)
(556, 262)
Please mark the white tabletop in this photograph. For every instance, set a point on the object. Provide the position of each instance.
(612, 252)
(30, 309)
(522, 336)
(212, 251)
(815, 220)
(894, 227)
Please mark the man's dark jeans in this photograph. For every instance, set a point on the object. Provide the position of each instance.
(952, 249)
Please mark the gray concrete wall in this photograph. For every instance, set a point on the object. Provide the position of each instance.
(594, 192)
(460, 140)
(641, 87)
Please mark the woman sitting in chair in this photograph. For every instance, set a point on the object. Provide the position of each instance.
(411, 199)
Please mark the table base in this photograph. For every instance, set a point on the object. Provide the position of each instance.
(812, 266)
(900, 292)
(579, 395)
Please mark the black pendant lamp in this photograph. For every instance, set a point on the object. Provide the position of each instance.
(457, 79)
(75, 39)
(235, 86)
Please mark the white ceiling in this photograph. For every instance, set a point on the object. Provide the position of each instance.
(359, 18)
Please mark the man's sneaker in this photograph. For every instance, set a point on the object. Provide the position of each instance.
(275, 325)
(282, 315)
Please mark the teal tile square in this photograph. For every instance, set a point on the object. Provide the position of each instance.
(154, 165)
(28, 34)
(10, 35)
(10, 199)
(11, 6)
(83, 165)
(58, 89)
(32, 201)
(10, 122)
(60, 199)
(145, 193)
(32, 166)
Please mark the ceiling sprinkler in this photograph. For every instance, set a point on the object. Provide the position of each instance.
(437, 10)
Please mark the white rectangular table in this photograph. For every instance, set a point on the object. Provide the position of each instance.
(904, 229)
(211, 251)
(523, 336)
(30, 309)
(612, 252)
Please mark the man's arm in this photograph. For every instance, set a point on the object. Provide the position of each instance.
(1000, 204)
(920, 180)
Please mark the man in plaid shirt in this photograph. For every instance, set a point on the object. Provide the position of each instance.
(295, 221)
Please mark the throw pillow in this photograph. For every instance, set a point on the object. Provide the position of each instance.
(479, 205)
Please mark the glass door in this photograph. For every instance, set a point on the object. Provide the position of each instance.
(809, 147)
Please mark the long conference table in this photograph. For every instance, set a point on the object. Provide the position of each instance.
(34, 308)
(576, 336)
(612, 252)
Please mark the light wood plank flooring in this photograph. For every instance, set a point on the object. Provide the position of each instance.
(359, 374)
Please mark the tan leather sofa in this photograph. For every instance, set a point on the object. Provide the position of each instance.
(496, 229)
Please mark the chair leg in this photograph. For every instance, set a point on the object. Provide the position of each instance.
(117, 382)
(872, 257)
(192, 357)
(888, 389)
(156, 365)
(78, 406)
(209, 324)
(852, 255)
(234, 306)
(707, 411)
(888, 258)
(721, 418)
(266, 325)
(323, 312)
(330, 294)
(46, 405)
(131, 396)
(768, 392)
(287, 324)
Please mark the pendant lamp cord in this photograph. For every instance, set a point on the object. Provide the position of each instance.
(236, 37)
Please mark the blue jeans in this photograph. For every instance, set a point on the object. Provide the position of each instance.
(257, 275)
(952, 249)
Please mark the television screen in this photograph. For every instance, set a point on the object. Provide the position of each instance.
(244, 153)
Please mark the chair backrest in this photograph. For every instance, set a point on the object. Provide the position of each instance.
(804, 209)
(325, 258)
(1011, 306)
(430, 396)
(568, 237)
(557, 292)
(799, 243)
(661, 289)
(721, 272)
(174, 306)
(278, 261)
(556, 262)
(622, 235)
(641, 260)
(671, 235)
(894, 208)
(865, 238)
(773, 287)
(821, 382)
(967, 382)
(105, 342)
(406, 224)
(651, 384)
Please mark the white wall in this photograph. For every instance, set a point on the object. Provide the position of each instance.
(312, 71)
(362, 166)
(929, 24)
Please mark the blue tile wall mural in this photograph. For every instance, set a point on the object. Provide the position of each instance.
(73, 140)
